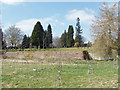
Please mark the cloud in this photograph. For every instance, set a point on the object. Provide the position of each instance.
(86, 15)
(27, 25)
(12, 1)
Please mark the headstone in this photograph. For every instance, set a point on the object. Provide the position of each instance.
(86, 55)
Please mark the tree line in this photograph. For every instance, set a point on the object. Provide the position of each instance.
(67, 39)
(105, 29)
(41, 38)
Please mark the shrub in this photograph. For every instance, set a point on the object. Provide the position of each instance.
(76, 44)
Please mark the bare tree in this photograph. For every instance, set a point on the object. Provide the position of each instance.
(13, 36)
(104, 30)
(57, 42)
(118, 30)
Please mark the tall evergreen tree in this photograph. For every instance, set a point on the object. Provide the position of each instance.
(44, 39)
(37, 35)
(78, 37)
(1, 39)
(24, 44)
(28, 42)
(49, 36)
(70, 40)
(63, 39)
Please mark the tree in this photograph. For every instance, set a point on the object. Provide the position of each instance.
(118, 39)
(37, 35)
(57, 42)
(89, 44)
(28, 42)
(1, 38)
(25, 42)
(104, 30)
(70, 40)
(49, 36)
(78, 37)
(13, 36)
(63, 39)
(24, 45)
(44, 39)
(4, 44)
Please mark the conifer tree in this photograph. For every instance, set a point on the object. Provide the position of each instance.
(63, 39)
(44, 39)
(49, 36)
(24, 42)
(78, 37)
(70, 40)
(28, 42)
(37, 35)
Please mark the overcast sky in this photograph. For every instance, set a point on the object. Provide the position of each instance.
(59, 14)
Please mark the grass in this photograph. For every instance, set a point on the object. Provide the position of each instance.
(52, 49)
(21, 75)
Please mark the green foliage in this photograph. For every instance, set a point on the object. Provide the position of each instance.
(78, 37)
(49, 37)
(76, 44)
(25, 42)
(1, 38)
(63, 39)
(70, 40)
(37, 35)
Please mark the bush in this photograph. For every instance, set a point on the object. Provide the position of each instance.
(76, 44)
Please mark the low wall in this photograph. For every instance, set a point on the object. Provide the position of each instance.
(74, 54)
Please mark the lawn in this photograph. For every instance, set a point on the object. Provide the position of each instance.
(104, 74)
(52, 49)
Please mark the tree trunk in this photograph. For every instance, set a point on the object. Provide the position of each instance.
(110, 45)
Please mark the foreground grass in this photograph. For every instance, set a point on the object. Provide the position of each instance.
(19, 75)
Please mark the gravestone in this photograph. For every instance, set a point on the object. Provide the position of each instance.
(86, 55)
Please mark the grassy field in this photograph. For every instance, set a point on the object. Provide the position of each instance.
(104, 74)
(51, 49)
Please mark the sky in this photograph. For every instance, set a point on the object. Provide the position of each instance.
(58, 14)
